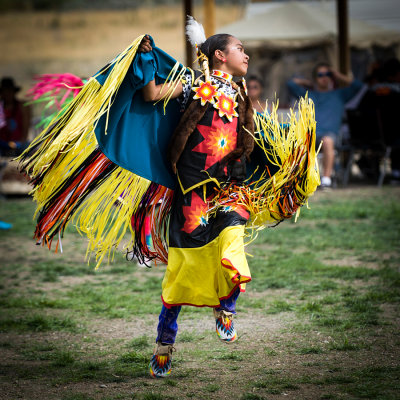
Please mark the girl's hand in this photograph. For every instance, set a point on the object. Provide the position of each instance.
(145, 45)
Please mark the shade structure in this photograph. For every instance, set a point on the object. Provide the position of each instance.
(298, 24)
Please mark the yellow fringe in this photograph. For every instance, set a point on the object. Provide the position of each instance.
(173, 79)
(106, 215)
(65, 166)
(292, 150)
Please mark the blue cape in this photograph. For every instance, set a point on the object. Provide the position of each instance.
(138, 132)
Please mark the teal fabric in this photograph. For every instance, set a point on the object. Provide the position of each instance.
(138, 132)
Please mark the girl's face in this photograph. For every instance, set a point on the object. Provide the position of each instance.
(237, 61)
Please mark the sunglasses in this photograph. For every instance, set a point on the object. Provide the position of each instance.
(322, 74)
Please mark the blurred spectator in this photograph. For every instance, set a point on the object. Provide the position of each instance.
(329, 106)
(387, 93)
(389, 77)
(255, 88)
(14, 133)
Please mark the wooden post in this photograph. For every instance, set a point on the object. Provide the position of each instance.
(343, 36)
(187, 10)
(209, 17)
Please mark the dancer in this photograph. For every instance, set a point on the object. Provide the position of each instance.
(206, 261)
(14, 119)
(193, 173)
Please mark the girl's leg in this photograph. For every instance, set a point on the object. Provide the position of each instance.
(223, 318)
(161, 361)
(168, 325)
(229, 304)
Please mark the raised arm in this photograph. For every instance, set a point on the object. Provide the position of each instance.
(342, 78)
(153, 92)
(296, 87)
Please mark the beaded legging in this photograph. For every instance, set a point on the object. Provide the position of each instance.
(167, 321)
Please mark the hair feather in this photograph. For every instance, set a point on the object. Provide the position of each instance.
(195, 32)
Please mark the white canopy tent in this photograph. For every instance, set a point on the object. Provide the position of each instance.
(286, 39)
(300, 24)
(383, 13)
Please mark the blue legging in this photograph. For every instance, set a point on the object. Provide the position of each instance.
(167, 321)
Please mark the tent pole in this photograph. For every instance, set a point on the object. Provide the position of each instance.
(187, 10)
(209, 17)
(343, 36)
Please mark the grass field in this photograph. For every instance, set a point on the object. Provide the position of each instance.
(320, 320)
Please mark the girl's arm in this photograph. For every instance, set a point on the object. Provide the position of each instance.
(153, 92)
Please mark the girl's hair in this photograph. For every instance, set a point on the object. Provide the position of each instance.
(216, 42)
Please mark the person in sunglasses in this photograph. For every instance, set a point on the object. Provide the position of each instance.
(329, 106)
(255, 89)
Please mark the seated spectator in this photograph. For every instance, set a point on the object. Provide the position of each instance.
(387, 92)
(16, 120)
(329, 106)
(255, 88)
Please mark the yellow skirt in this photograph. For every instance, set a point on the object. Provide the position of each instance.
(203, 276)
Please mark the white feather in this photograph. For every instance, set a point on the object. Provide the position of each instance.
(195, 32)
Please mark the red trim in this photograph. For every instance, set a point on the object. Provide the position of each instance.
(187, 304)
(230, 294)
(230, 266)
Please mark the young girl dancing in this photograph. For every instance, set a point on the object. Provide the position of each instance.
(149, 143)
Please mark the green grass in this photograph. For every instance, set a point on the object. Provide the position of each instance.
(319, 314)
(344, 344)
(38, 323)
(54, 270)
(278, 306)
(139, 342)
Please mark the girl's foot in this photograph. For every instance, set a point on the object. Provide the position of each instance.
(160, 363)
(224, 326)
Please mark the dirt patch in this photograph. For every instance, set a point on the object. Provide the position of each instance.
(350, 261)
(392, 316)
